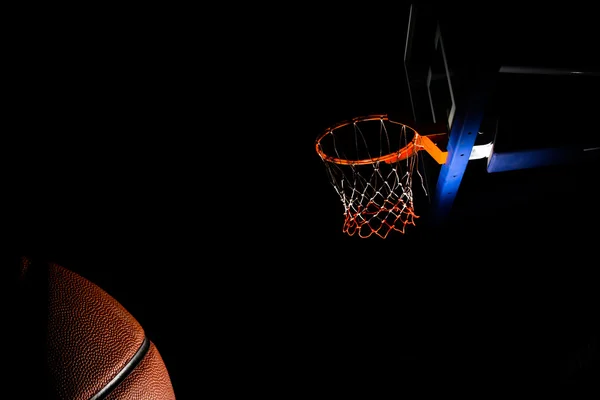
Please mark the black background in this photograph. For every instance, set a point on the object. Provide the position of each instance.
(171, 161)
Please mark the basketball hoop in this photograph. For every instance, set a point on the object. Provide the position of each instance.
(370, 162)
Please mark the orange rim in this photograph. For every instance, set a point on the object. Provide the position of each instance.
(412, 148)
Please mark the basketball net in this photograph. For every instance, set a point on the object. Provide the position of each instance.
(371, 163)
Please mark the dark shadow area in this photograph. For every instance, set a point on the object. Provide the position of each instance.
(195, 197)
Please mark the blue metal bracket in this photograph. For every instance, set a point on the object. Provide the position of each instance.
(465, 126)
(535, 158)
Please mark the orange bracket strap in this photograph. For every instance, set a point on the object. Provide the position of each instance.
(433, 150)
(427, 143)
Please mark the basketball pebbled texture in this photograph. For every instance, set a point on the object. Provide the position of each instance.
(95, 348)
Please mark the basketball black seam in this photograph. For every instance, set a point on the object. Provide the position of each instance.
(125, 372)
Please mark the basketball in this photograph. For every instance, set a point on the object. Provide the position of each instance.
(94, 348)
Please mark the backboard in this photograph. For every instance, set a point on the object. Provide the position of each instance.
(505, 97)
(428, 73)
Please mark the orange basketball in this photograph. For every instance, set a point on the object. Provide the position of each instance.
(95, 349)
